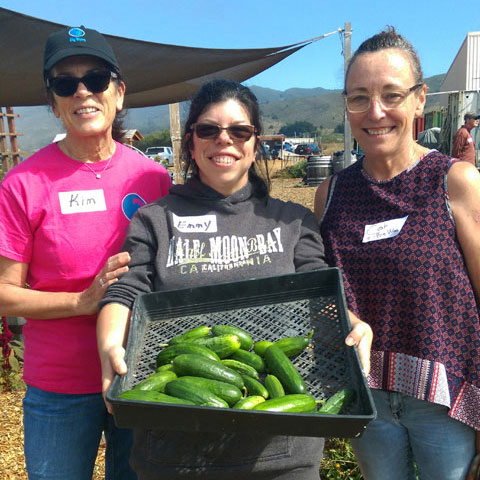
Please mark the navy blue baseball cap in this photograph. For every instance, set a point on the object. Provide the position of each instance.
(77, 41)
(469, 115)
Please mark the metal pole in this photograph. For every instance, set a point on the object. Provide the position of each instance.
(347, 52)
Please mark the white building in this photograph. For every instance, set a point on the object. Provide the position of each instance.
(464, 72)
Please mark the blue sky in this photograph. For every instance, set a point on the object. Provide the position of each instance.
(436, 29)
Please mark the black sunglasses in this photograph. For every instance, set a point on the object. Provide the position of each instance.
(95, 82)
(211, 131)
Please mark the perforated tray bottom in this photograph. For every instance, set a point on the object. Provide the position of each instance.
(296, 318)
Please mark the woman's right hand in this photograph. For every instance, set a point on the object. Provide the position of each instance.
(112, 364)
(112, 333)
(113, 268)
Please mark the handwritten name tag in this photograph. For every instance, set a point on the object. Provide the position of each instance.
(200, 223)
(82, 201)
(382, 230)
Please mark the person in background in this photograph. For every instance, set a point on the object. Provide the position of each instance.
(225, 191)
(463, 144)
(409, 250)
(64, 213)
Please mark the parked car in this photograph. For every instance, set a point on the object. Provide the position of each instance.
(287, 147)
(308, 149)
(162, 154)
(136, 149)
(263, 152)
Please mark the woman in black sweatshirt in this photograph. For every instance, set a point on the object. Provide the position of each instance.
(220, 226)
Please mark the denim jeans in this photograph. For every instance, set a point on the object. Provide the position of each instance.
(62, 435)
(409, 430)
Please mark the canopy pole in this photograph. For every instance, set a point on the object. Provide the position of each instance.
(176, 140)
(347, 149)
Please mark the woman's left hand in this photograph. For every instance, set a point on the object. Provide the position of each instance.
(361, 335)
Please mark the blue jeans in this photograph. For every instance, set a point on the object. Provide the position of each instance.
(409, 430)
(62, 435)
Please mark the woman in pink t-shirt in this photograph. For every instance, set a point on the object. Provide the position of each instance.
(64, 213)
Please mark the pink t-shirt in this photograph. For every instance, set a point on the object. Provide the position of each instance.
(64, 222)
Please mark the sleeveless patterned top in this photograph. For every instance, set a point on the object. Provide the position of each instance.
(405, 275)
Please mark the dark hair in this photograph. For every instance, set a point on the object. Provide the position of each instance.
(217, 91)
(118, 131)
(388, 38)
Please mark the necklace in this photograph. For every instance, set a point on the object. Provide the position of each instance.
(412, 164)
(98, 175)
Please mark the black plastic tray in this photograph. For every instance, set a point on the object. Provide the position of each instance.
(269, 309)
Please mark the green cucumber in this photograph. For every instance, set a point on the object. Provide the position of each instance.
(198, 395)
(222, 345)
(156, 381)
(169, 353)
(166, 367)
(199, 366)
(240, 367)
(274, 386)
(288, 403)
(280, 365)
(260, 347)
(151, 396)
(226, 391)
(254, 387)
(192, 334)
(250, 358)
(246, 340)
(336, 403)
(248, 403)
(292, 346)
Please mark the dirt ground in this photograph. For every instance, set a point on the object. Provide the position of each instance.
(12, 465)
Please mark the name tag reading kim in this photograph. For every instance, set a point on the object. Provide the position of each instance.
(82, 201)
(382, 230)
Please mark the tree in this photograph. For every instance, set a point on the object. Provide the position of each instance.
(340, 128)
(299, 129)
(155, 139)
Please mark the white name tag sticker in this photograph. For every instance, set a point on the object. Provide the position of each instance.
(200, 223)
(382, 230)
(82, 201)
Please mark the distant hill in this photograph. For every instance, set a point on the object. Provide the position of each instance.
(319, 106)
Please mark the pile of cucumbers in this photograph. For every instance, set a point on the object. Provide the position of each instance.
(221, 366)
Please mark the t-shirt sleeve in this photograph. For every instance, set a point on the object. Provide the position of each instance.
(16, 239)
(142, 247)
(309, 253)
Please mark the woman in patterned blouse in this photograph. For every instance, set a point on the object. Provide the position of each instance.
(403, 224)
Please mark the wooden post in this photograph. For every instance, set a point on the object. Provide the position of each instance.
(175, 135)
(3, 144)
(13, 135)
(14, 154)
(347, 51)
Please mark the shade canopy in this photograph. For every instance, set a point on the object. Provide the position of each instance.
(155, 73)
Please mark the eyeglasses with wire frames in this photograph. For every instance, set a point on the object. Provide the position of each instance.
(211, 131)
(389, 99)
(95, 82)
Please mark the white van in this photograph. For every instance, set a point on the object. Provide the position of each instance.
(164, 155)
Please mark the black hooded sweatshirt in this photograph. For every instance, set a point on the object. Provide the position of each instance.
(195, 236)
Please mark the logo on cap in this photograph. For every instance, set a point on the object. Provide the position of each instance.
(76, 34)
